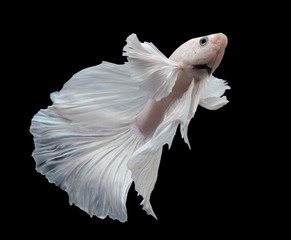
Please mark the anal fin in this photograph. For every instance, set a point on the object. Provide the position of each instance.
(144, 167)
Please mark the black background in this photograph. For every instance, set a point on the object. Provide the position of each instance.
(213, 189)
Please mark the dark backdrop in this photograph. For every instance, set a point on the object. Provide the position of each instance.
(212, 189)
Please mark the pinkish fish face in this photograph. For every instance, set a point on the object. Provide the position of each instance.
(202, 55)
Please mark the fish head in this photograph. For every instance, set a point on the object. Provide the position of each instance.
(201, 56)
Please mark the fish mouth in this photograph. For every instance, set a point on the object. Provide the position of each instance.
(209, 66)
(203, 66)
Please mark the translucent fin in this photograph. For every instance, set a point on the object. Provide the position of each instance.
(211, 95)
(90, 165)
(144, 166)
(145, 162)
(100, 97)
(155, 74)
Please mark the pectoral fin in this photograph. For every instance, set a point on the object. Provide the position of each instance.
(211, 96)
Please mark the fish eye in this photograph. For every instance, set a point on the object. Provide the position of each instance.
(203, 41)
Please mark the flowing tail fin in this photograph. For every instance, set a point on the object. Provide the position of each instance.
(86, 139)
(91, 167)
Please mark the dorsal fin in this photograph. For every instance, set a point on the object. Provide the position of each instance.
(154, 72)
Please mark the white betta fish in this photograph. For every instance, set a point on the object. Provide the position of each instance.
(107, 126)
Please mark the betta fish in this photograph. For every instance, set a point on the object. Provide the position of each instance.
(108, 124)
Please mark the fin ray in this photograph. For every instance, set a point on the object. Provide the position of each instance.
(88, 96)
(91, 167)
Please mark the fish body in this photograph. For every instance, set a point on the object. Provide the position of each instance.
(107, 126)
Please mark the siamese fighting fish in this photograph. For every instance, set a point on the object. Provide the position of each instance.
(107, 126)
